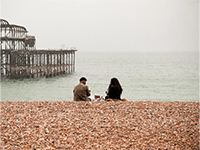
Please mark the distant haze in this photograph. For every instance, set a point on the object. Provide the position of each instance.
(108, 25)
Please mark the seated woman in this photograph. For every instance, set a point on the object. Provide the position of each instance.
(114, 91)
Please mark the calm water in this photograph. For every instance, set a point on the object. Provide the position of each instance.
(144, 77)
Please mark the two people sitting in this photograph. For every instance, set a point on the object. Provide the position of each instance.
(82, 91)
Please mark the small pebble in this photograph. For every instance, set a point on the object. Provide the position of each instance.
(99, 125)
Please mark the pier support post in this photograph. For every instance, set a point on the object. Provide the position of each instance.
(58, 73)
(40, 64)
(28, 70)
(12, 65)
(47, 75)
(54, 68)
(33, 64)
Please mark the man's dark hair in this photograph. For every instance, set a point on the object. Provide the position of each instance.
(83, 78)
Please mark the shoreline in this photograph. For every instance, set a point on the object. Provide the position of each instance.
(99, 125)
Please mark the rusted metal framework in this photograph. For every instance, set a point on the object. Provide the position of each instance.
(20, 59)
(14, 37)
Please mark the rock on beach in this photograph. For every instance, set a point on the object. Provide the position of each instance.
(99, 125)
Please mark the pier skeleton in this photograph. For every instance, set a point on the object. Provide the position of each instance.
(20, 58)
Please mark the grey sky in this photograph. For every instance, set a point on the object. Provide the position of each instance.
(108, 25)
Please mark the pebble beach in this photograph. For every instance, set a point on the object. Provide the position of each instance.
(39, 125)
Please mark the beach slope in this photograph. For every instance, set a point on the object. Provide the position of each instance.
(99, 125)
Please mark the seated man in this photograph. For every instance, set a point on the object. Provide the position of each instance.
(81, 91)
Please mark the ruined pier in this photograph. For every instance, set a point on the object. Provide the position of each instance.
(20, 58)
(36, 63)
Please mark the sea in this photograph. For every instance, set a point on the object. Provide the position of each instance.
(144, 76)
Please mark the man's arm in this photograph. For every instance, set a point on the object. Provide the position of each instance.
(88, 91)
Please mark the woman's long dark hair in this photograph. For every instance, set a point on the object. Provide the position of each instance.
(115, 83)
